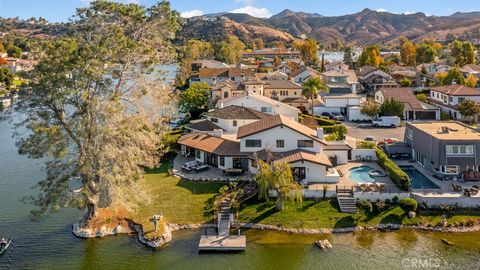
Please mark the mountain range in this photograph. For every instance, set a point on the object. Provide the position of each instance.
(365, 27)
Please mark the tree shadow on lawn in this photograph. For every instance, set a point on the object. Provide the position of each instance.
(345, 222)
(392, 218)
(200, 188)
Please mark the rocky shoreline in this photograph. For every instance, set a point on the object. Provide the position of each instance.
(83, 232)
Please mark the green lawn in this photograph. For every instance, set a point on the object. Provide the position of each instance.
(326, 214)
(187, 202)
(178, 200)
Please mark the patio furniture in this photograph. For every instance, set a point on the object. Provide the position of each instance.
(456, 188)
(200, 168)
(471, 176)
(467, 192)
(473, 191)
(188, 166)
(476, 187)
(233, 172)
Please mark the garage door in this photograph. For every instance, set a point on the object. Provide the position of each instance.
(426, 115)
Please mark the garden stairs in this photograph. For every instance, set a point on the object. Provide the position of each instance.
(346, 201)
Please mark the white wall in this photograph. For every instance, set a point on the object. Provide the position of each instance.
(465, 202)
(355, 114)
(227, 124)
(342, 156)
(341, 102)
(269, 140)
(257, 104)
(363, 153)
(228, 163)
(321, 109)
(375, 196)
(315, 173)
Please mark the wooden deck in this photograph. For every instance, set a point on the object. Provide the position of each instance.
(227, 243)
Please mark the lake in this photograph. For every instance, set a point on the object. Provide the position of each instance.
(49, 243)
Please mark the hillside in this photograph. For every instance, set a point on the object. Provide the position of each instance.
(365, 27)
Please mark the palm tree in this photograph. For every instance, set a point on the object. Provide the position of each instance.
(278, 178)
(312, 86)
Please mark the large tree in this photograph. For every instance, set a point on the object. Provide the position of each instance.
(468, 108)
(192, 51)
(392, 107)
(370, 108)
(308, 51)
(370, 56)
(426, 53)
(463, 52)
(407, 51)
(97, 104)
(454, 75)
(229, 51)
(194, 100)
(277, 178)
(311, 88)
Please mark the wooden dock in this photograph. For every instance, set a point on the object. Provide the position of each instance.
(228, 243)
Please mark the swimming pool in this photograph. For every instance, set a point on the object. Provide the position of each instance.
(418, 180)
(361, 174)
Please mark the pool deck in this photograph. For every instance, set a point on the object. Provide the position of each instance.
(346, 182)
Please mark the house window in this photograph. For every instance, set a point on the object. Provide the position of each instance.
(266, 109)
(305, 143)
(214, 120)
(449, 169)
(459, 150)
(222, 161)
(197, 153)
(253, 143)
(450, 99)
(234, 123)
(461, 99)
(280, 143)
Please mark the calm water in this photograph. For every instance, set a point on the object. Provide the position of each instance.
(361, 174)
(419, 181)
(49, 244)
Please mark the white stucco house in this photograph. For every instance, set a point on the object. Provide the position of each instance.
(448, 97)
(260, 103)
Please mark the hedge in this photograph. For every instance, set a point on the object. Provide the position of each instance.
(399, 177)
(321, 121)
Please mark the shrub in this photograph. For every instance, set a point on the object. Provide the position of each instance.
(399, 177)
(444, 116)
(380, 205)
(365, 207)
(321, 121)
(337, 132)
(395, 199)
(366, 145)
(408, 205)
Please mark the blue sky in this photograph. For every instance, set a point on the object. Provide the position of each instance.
(61, 10)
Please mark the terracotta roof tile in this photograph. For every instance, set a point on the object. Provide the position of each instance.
(211, 144)
(275, 121)
(236, 112)
(457, 90)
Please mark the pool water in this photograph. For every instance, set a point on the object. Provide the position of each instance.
(418, 180)
(361, 174)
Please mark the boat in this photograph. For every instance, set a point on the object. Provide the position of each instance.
(4, 244)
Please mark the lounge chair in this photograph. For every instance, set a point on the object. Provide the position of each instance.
(456, 188)
(476, 187)
(473, 191)
(200, 168)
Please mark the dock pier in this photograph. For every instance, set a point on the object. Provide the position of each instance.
(223, 241)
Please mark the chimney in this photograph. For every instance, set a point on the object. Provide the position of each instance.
(218, 133)
(220, 104)
(320, 133)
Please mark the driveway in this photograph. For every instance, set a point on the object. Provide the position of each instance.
(360, 131)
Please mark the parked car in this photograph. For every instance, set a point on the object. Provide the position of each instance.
(369, 139)
(326, 114)
(337, 116)
(387, 121)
